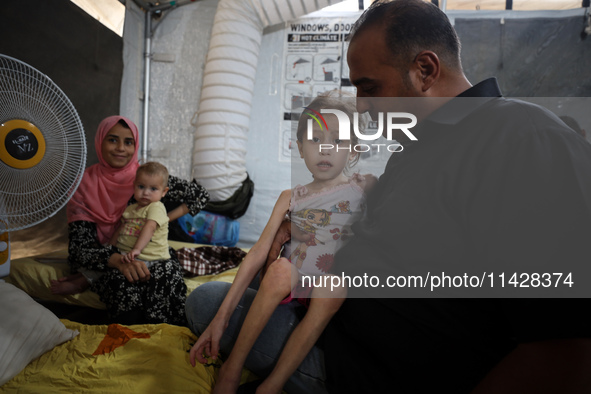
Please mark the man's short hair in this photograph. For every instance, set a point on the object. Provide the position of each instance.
(412, 26)
(154, 168)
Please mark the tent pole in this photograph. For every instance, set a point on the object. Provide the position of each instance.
(147, 61)
(149, 11)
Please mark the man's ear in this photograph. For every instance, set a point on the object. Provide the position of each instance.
(428, 69)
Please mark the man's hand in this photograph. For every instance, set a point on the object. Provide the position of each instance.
(365, 181)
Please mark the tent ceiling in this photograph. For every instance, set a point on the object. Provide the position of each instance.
(518, 5)
(111, 13)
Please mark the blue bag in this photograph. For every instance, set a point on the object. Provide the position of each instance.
(210, 228)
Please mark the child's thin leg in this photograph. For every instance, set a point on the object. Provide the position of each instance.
(71, 284)
(303, 338)
(275, 286)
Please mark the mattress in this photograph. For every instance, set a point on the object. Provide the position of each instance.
(149, 358)
(33, 275)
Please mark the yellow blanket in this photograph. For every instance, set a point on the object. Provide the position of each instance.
(151, 358)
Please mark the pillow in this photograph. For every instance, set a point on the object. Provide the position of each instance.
(27, 330)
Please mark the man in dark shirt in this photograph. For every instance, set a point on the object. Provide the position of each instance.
(491, 185)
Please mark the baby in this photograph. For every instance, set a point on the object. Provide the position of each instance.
(143, 233)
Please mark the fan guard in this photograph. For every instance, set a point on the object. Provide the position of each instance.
(42, 146)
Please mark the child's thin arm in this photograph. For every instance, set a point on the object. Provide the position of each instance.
(142, 240)
(208, 342)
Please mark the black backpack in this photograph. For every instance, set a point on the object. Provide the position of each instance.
(236, 205)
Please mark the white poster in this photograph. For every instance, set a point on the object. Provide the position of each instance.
(315, 62)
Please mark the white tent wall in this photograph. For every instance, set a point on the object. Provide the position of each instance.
(179, 49)
(227, 90)
(133, 49)
(180, 46)
(270, 175)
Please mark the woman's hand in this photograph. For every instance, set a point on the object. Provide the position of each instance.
(129, 257)
(135, 271)
(208, 343)
(179, 211)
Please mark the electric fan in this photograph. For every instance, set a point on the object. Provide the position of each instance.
(42, 150)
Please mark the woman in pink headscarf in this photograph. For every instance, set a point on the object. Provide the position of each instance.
(132, 292)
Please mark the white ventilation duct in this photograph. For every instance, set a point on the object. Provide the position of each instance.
(227, 91)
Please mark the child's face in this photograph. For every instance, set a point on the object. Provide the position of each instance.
(148, 189)
(326, 163)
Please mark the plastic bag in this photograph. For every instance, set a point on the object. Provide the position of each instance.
(210, 228)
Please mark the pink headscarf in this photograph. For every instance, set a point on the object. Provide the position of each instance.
(104, 191)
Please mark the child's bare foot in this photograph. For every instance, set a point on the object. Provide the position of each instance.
(71, 284)
(227, 381)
